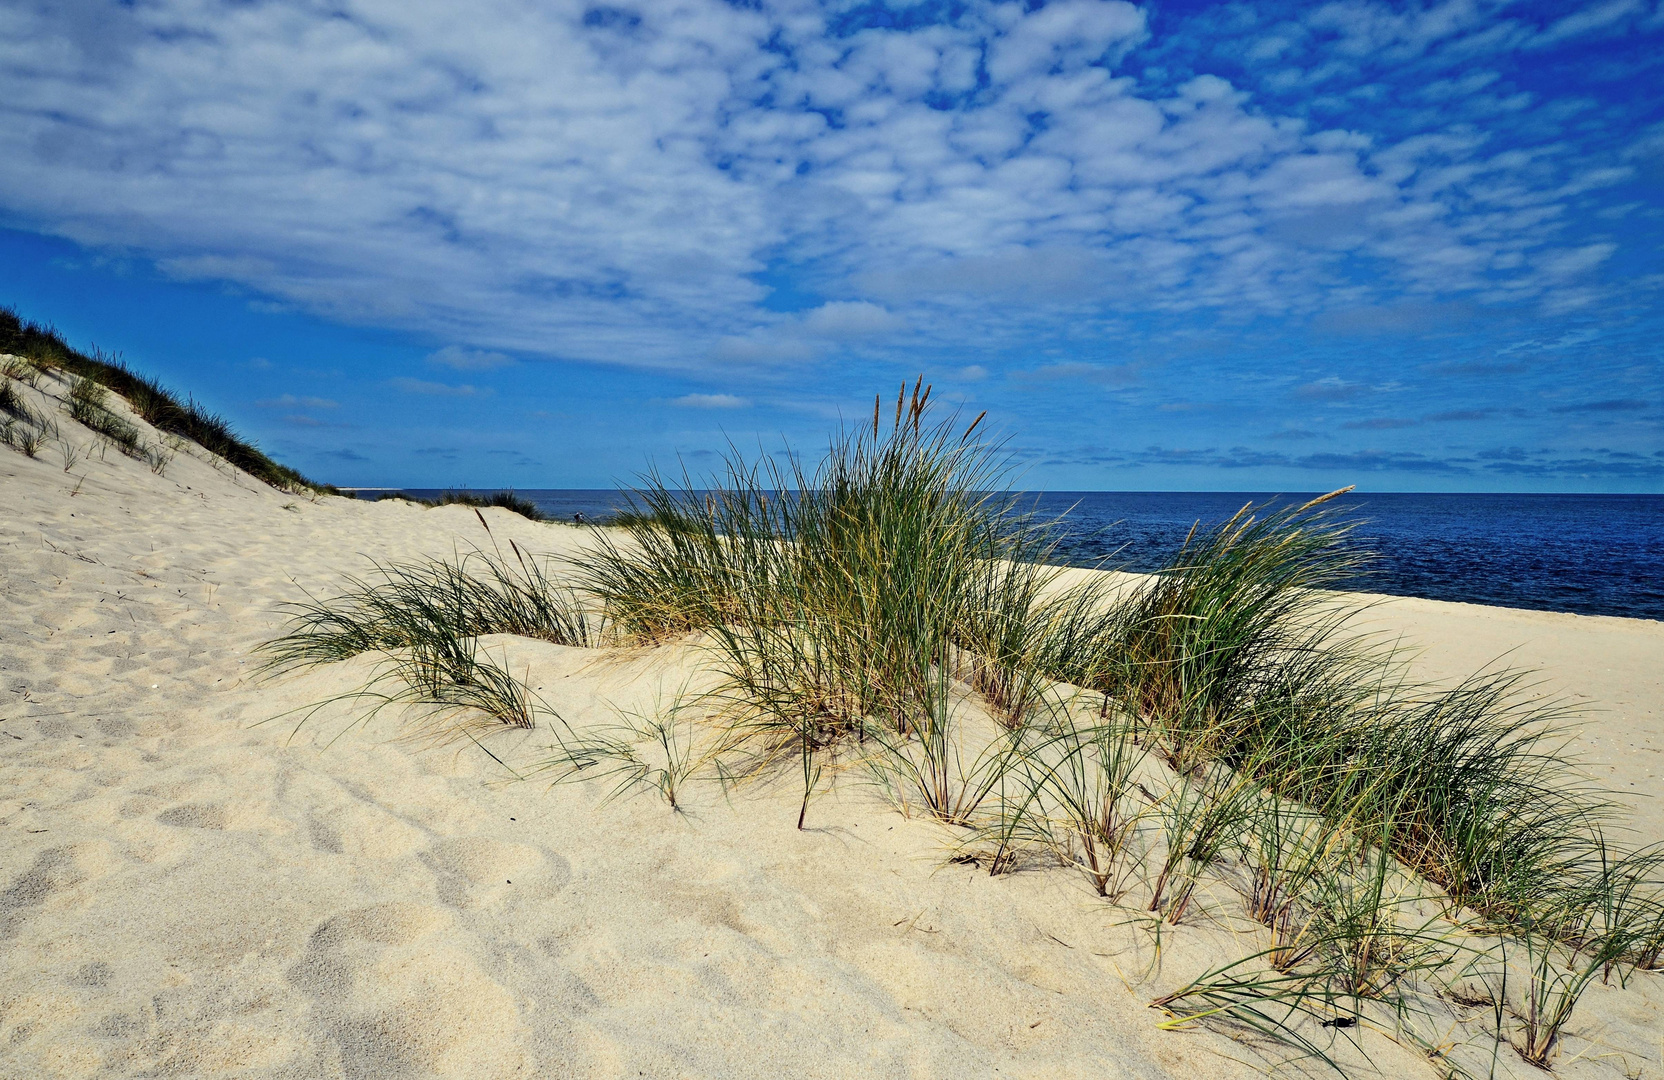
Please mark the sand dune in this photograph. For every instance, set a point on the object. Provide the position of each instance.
(191, 888)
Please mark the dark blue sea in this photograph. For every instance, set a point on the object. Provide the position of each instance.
(1590, 554)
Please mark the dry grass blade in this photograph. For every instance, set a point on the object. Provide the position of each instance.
(1069, 790)
(662, 751)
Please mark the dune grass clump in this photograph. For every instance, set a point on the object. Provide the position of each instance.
(88, 403)
(1391, 826)
(1072, 790)
(10, 402)
(24, 436)
(21, 427)
(843, 602)
(20, 369)
(1212, 742)
(1201, 818)
(42, 348)
(408, 605)
(1391, 846)
(1231, 617)
(1555, 976)
(456, 675)
(507, 500)
(663, 750)
(1235, 656)
(425, 620)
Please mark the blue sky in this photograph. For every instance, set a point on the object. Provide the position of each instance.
(1234, 246)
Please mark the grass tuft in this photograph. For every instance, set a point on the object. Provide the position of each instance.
(11, 403)
(843, 601)
(662, 751)
(433, 605)
(507, 500)
(426, 619)
(1071, 791)
(88, 402)
(21, 427)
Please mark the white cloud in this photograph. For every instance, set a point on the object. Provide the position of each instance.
(762, 350)
(1589, 19)
(1650, 142)
(851, 319)
(290, 401)
(459, 359)
(1574, 261)
(530, 177)
(1067, 34)
(1045, 275)
(1331, 388)
(436, 389)
(1113, 375)
(210, 267)
(710, 401)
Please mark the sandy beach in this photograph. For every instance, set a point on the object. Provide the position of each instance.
(192, 886)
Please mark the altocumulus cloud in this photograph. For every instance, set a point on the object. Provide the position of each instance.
(290, 401)
(437, 389)
(615, 179)
(710, 401)
(459, 359)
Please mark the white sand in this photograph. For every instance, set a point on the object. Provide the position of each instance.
(187, 892)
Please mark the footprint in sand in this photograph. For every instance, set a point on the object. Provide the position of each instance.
(345, 820)
(52, 879)
(195, 816)
(397, 997)
(475, 871)
(92, 976)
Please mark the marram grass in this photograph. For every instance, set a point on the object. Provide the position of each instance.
(842, 601)
(424, 621)
(1217, 726)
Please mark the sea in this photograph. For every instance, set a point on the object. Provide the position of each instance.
(1588, 554)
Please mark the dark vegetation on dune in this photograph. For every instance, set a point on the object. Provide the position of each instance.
(506, 500)
(45, 349)
(1212, 743)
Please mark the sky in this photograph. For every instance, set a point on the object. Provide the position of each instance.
(1171, 246)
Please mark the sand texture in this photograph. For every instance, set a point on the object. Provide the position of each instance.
(187, 891)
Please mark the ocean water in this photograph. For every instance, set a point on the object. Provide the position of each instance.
(1589, 554)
